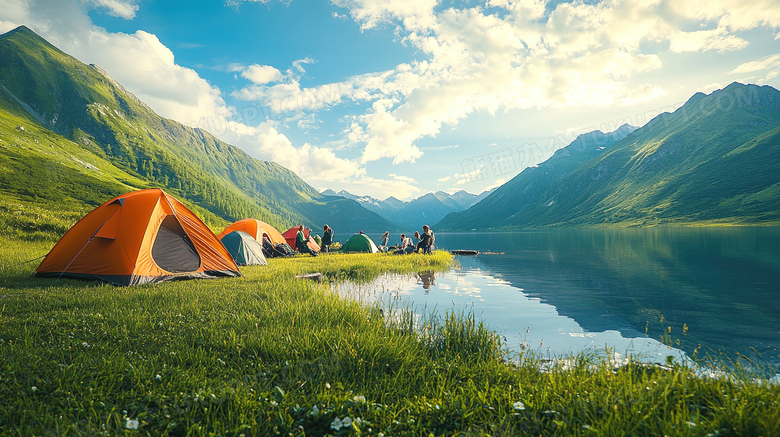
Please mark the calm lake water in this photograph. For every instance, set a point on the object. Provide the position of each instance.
(563, 291)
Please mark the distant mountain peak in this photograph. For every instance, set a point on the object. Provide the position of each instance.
(24, 34)
(22, 30)
(428, 208)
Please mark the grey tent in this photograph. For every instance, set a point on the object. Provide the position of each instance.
(244, 249)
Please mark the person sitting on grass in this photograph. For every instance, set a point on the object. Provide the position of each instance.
(268, 248)
(301, 243)
(407, 246)
(426, 240)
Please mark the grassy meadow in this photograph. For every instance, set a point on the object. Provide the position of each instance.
(270, 354)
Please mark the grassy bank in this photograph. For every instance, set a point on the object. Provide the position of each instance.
(271, 354)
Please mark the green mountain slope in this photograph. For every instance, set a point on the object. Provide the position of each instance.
(716, 160)
(78, 110)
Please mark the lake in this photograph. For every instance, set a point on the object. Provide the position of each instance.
(564, 291)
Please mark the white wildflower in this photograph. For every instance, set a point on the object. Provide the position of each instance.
(518, 405)
(274, 403)
(359, 398)
(336, 424)
(327, 385)
(347, 422)
(158, 377)
(85, 344)
(315, 411)
(34, 388)
(131, 424)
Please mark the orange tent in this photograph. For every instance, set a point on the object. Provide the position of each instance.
(290, 234)
(137, 238)
(256, 229)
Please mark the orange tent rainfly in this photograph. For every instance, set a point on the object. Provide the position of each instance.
(256, 229)
(290, 234)
(138, 238)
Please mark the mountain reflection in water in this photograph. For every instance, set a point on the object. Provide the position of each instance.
(577, 289)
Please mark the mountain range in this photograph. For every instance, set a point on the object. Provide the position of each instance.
(71, 137)
(713, 161)
(426, 209)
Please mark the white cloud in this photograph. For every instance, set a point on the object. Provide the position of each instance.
(146, 67)
(770, 65)
(762, 64)
(472, 174)
(576, 54)
(7, 26)
(369, 13)
(496, 184)
(717, 39)
(444, 179)
(285, 97)
(440, 148)
(406, 179)
(313, 164)
(237, 3)
(643, 93)
(116, 8)
(731, 14)
(261, 74)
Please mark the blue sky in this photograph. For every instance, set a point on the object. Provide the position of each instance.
(389, 98)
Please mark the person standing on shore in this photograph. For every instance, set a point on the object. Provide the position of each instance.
(384, 241)
(327, 238)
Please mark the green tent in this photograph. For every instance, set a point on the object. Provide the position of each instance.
(359, 243)
(244, 249)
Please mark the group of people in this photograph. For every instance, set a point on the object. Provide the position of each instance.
(425, 242)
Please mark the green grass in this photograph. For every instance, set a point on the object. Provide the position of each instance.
(255, 355)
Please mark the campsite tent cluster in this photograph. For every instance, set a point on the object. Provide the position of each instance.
(147, 236)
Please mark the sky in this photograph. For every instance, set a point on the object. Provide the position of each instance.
(402, 98)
